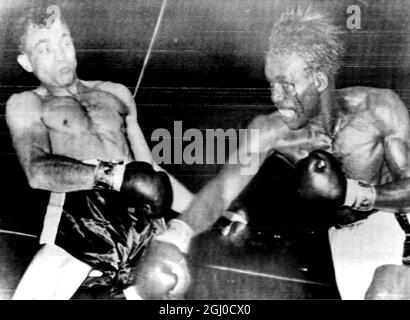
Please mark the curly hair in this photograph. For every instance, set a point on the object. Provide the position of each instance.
(309, 34)
(37, 16)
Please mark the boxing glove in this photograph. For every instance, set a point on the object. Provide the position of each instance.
(142, 187)
(321, 178)
(163, 271)
(235, 227)
(390, 282)
(147, 190)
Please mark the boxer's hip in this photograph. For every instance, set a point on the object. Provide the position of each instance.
(99, 230)
(379, 230)
(359, 248)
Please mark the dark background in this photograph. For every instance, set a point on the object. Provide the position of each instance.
(206, 70)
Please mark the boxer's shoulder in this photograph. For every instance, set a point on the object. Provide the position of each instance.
(383, 106)
(271, 130)
(270, 122)
(117, 89)
(23, 108)
(361, 99)
(24, 98)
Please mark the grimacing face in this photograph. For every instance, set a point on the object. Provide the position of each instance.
(293, 90)
(50, 54)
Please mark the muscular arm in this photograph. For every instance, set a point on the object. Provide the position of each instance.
(395, 126)
(31, 142)
(217, 195)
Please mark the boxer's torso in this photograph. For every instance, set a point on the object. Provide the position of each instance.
(88, 126)
(357, 140)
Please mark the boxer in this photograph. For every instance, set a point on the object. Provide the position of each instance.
(366, 130)
(81, 141)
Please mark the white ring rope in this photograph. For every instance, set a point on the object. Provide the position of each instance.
(18, 233)
(148, 55)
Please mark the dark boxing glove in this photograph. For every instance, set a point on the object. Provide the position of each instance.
(147, 189)
(321, 178)
(142, 187)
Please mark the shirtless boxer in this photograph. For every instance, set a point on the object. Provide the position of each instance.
(365, 129)
(81, 141)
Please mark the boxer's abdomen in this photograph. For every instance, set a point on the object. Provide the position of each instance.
(86, 146)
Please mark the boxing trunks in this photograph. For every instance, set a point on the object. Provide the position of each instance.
(359, 248)
(97, 229)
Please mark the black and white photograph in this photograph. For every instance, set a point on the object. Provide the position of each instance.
(195, 150)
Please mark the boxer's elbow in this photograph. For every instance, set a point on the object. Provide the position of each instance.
(36, 177)
(40, 176)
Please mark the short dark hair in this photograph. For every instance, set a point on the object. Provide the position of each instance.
(37, 16)
(310, 34)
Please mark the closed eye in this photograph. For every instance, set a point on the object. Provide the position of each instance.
(44, 49)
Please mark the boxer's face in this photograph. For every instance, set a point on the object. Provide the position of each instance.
(293, 89)
(50, 54)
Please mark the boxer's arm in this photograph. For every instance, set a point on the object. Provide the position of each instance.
(395, 127)
(216, 196)
(141, 151)
(163, 272)
(162, 262)
(31, 142)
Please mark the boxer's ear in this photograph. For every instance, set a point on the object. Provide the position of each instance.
(24, 62)
(321, 80)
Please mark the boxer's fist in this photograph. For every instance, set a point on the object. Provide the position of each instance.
(146, 190)
(235, 227)
(321, 178)
(390, 282)
(162, 273)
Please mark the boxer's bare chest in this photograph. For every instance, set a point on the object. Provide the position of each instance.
(357, 144)
(88, 126)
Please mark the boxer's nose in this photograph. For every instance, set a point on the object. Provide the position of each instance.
(277, 93)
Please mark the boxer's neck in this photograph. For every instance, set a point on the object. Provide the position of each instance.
(329, 118)
(73, 89)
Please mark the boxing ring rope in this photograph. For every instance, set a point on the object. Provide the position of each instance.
(18, 233)
(148, 55)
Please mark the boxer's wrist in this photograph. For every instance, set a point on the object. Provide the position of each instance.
(360, 195)
(236, 216)
(178, 234)
(109, 175)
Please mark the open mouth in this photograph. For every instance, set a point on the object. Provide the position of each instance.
(64, 70)
(287, 113)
